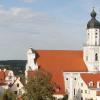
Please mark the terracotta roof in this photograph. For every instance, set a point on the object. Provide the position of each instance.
(98, 93)
(70, 61)
(58, 61)
(91, 77)
(3, 74)
(2, 77)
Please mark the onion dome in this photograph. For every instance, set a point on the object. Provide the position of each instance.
(93, 23)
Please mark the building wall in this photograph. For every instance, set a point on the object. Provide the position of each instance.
(90, 58)
(91, 49)
(18, 87)
(31, 64)
(76, 88)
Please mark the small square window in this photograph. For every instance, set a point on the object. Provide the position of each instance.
(81, 91)
(17, 84)
(85, 91)
(74, 78)
(66, 78)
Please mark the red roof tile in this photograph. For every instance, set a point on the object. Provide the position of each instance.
(98, 93)
(2, 77)
(58, 61)
(91, 77)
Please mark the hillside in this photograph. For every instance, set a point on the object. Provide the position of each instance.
(18, 66)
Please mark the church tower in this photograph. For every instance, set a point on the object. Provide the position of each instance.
(91, 49)
(31, 64)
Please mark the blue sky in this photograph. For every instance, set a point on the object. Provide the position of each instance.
(43, 24)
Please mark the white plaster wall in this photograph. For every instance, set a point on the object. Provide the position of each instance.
(75, 86)
(18, 89)
(10, 78)
(90, 38)
(89, 57)
(70, 79)
(31, 65)
(98, 98)
(86, 92)
(58, 96)
(92, 46)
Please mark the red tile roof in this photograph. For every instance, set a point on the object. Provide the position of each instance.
(3, 74)
(2, 77)
(98, 93)
(91, 77)
(58, 61)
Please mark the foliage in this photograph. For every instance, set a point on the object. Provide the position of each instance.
(8, 95)
(39, 87)
(65, 97)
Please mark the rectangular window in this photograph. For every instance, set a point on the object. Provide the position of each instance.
(81, 84)
(81, 91)
(85, 91)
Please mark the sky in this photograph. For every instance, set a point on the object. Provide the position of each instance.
(43, 24)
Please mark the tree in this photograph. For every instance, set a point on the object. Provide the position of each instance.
(8, 95)
(39, 87)
(65, 97)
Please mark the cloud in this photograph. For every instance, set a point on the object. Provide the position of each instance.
(59, 27)
(21, 28)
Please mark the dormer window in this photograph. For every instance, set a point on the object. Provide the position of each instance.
(91, 84)
(88, 35)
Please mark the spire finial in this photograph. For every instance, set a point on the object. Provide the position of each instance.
(93, 13)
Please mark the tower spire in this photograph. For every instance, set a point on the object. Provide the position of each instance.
(93, 13)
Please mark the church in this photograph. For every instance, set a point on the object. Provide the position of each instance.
(76, 72)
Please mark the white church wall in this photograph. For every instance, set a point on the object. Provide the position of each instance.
(31, 64)
(70, 80)
(89, 57)
(76, 88)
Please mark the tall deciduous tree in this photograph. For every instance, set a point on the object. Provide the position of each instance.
(39, 87)
(8, 95)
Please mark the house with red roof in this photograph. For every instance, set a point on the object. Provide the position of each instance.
(76, 72)
(9, 81)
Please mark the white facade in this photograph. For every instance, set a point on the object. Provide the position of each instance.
(10, 78)
(77, 89)
(18, 87)
(31, 64)
(70, 80)
(91, 50)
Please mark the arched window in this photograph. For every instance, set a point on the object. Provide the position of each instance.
(96, 57)
(86, 58)
(88, 35)
(95, 38)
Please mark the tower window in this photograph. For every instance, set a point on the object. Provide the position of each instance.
(88, 35)
(95, 42)
(95, 35)
(74, 91)
(96, 57)
(86, 58)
